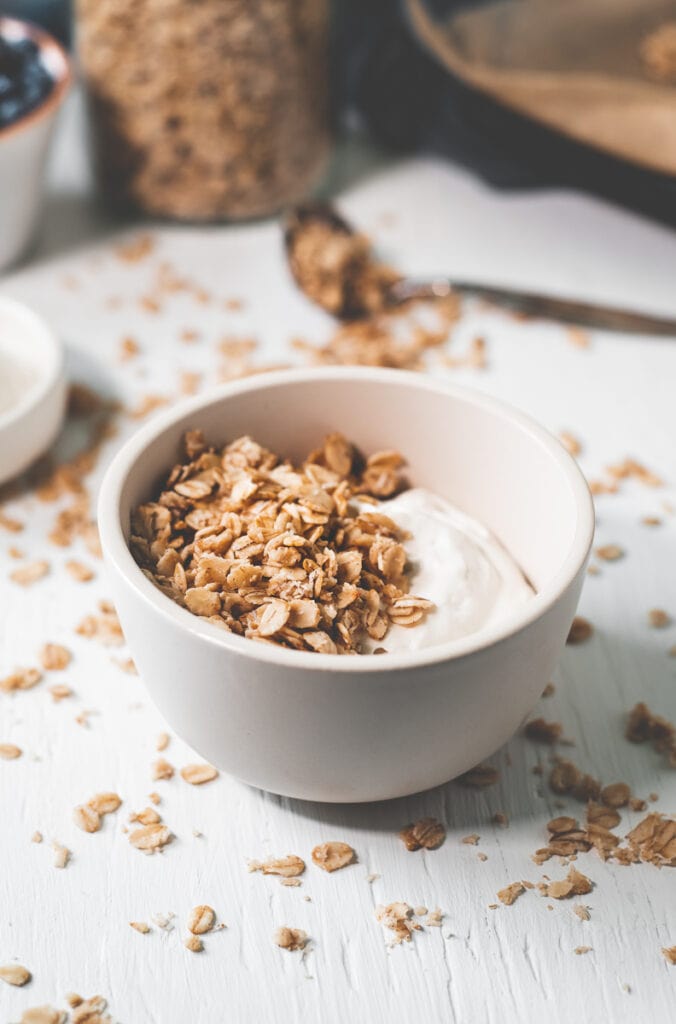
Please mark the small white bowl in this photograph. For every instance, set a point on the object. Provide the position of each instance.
(24, 146)
(32, 387)
(337, 728)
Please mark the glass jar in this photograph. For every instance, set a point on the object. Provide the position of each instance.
(206, 109)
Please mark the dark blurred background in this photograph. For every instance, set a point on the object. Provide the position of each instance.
(387, 85)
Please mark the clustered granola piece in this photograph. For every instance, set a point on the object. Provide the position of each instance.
(426, 833)
(278, 553)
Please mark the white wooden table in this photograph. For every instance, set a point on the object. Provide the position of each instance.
(511, 964)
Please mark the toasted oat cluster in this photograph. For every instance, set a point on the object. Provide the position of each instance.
(279, 553)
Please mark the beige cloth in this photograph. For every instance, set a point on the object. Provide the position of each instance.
(574, 65)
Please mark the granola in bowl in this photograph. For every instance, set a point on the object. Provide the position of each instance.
(293, 555)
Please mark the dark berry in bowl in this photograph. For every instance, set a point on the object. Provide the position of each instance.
(25, 82)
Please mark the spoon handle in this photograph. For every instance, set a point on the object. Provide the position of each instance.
(546, 307)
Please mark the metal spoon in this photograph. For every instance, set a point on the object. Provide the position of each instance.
(532, 304)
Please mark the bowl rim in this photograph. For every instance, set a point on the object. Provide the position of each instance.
(62, 81)
(35, 395)
(117, 552)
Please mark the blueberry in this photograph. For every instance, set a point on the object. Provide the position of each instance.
(24, 80)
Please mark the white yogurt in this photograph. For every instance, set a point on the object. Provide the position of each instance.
(457, 563)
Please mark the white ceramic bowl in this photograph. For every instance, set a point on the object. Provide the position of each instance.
(24, 146)
(332, 728)
(32, 387)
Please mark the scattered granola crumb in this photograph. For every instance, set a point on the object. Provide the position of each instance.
(291, 883)
(669, 953)
(78, 571)
(105, 803)
(482, 856)
(578, 337)
(36, 837)
(657, 51)
(651, 521)
(10, 524)
(87, 818)
(420, 911)
(54, 657)
(194, 944)
(610, 552)
(471, 840)
(480, 777)
(501, 819)
(581, 950)
(632, 469)
(371, 878)
(154, 798)
(15, 974)
(136, 249)
(290, 939)
(510, 893)
(140, 926)
(42, 1015)
(570, 443)
(643, 725)
(581, 911)
(150, 838)
(658, 618)
(61, 855)
(201, 919)
(147, 404)
(148, 816)
(60, 691)
(287, 867)
(617, 794)
(29, 573)
(9, 751)
(549, 690)
(398, 918)
(434, 918)
(129, 349)
(104, 627)
(333, 855)
(73, 999)
(574, 884)
(427, 833)
(198, 774)
(162, 741)
(127, 665)
(20, 679)
(580, 630)
(161, 769)
(541, 731)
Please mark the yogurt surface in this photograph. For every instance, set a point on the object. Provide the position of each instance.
(457, 563)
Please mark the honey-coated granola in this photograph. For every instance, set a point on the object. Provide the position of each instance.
(280, 553)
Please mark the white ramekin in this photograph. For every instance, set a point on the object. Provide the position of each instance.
(24, 146)
(332, 728)
(32, 363)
